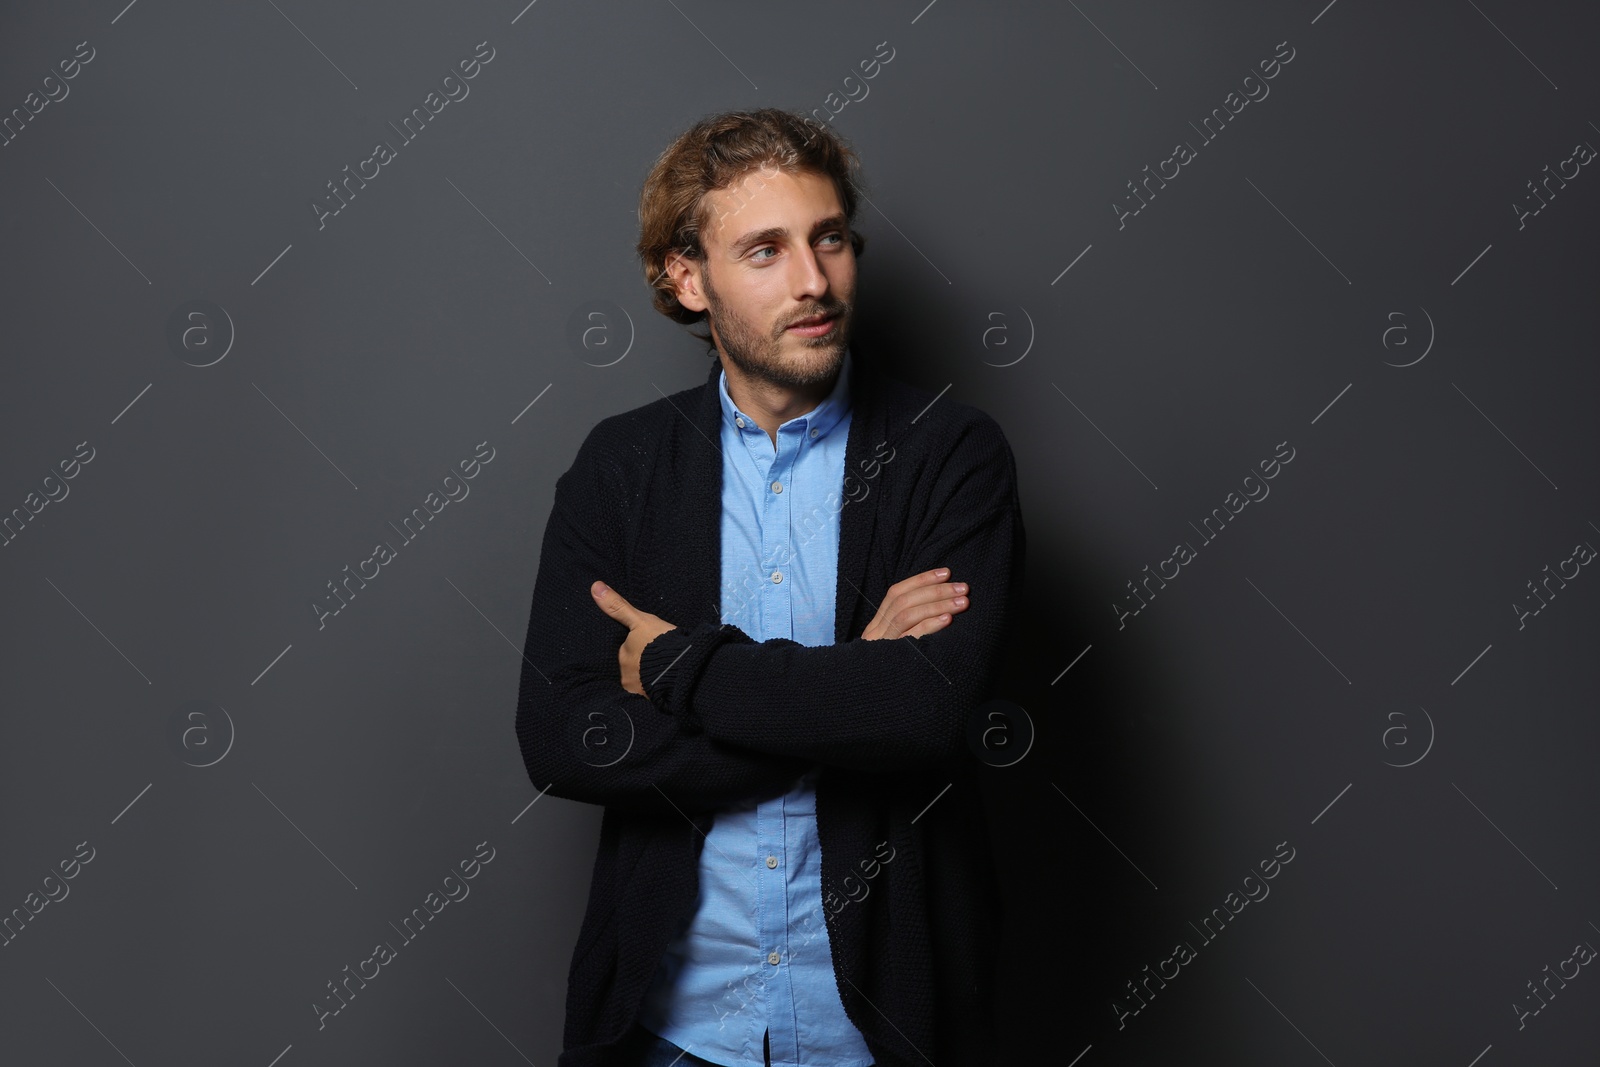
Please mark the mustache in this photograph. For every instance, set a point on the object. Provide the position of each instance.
(836, 309)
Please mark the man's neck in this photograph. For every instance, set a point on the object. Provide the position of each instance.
(773, 405)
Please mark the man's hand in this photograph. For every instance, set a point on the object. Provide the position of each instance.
(643, 628)
(917, 606)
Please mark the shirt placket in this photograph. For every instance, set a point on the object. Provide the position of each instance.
(778, 588)
(771, 831)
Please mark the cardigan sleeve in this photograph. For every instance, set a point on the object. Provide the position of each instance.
(583, 737)
(871, 705)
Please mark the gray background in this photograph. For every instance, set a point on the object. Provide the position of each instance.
(1361, 616)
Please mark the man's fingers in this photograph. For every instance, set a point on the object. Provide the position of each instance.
(612, 603)
(944, 591)
(912, 607)
(917, 581)
(906, 619)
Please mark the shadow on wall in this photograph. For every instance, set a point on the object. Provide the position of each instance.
(1071, 899)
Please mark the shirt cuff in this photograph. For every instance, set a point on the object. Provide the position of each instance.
(671, 664)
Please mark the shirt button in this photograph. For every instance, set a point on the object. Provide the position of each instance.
(772, 958)
(777, 577)
(739, 422)
(777, 487)
(772, 861)
(813, 433)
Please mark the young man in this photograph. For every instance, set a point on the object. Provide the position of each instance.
(766, 611)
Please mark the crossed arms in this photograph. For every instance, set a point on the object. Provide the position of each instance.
(728, 717)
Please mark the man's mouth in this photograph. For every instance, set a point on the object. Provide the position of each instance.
(815, 326)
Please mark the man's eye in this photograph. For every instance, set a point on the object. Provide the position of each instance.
(757, 253)
(836, 237)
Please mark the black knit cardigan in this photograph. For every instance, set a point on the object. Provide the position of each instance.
(911, 903)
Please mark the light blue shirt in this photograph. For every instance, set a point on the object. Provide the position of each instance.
(754, 957)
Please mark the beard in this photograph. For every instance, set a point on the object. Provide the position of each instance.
(760, 356)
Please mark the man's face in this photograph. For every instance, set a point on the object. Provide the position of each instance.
(778, 250)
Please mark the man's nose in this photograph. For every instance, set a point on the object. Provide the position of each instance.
(809, 277)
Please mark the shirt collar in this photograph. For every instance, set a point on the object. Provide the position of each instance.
(816, 422)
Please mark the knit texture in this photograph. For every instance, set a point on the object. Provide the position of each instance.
(929, 482)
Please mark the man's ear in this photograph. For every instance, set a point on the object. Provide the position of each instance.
(685, 276)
